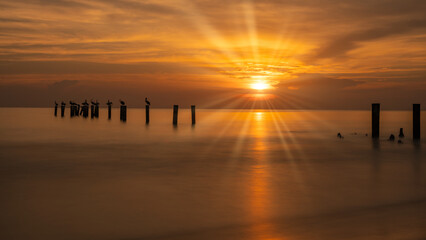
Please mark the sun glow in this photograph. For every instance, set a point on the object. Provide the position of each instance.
(260, 85)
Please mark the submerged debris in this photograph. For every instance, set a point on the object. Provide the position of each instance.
(401, 133)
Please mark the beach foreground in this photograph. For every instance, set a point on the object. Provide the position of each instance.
(250, 174)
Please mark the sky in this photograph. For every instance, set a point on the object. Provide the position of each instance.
(311, 54)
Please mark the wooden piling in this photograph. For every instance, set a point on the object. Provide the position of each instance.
(92, 111)
(56, 110)
(96, 111)
(175, 114)
(62, 110)
(193, 114)
(85, 111)
(123, 113)
(375, 133)
(109, 111)
(147, 114)
(416, 121)
(71, 110)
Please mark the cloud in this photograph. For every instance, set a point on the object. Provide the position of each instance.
(340, 46)
(62, 84)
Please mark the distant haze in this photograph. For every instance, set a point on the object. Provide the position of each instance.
(313, 54)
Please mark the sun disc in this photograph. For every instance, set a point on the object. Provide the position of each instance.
(260, 86)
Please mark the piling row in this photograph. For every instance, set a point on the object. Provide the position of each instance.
(375, 120)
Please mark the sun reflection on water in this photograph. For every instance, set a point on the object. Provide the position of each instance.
(260, 196)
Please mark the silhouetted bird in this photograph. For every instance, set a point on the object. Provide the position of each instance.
(85, 103)
(339, 135)
(401, 132)
(147, 102)
(122, 102)
(391, 138)
(96, 103)
(109, 103)
(63, 103)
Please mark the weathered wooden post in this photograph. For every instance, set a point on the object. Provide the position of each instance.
(86, 111)
(375, 133)
(109, 103)
(62, 109)
(92, 111)
(193, 114)
(78, 110)
(56, 109)
(71, 110)
(416, 121)
(175, 114)
(97, 111)
(147, 114)
(123, 113)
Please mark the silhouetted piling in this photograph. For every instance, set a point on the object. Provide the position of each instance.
(85, 111)
(147, 114)
(375, 133)
(56, 110)
(109, 111)
(62, 110)
(123, 113)
(193, 114)
(96, 111)
(72, 111)
(175, 114)
(416, 121)
(92, 111)
(78, 110)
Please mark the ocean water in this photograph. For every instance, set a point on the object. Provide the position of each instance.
(236, 174)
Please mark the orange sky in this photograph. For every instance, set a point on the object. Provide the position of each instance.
(311, 54)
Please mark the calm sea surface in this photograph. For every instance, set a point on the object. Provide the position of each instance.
(234, 175)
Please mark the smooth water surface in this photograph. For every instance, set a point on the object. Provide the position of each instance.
(249, 174)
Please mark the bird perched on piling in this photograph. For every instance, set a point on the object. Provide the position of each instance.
(122, 102)
(109, 103)
(85, 103)
(147, 102)
(63, 103)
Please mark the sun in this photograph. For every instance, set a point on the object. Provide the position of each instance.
(260, 85)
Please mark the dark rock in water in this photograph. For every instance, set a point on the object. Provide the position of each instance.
(339, 135)
(400, 142)
(401, 132)
(391, 137)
